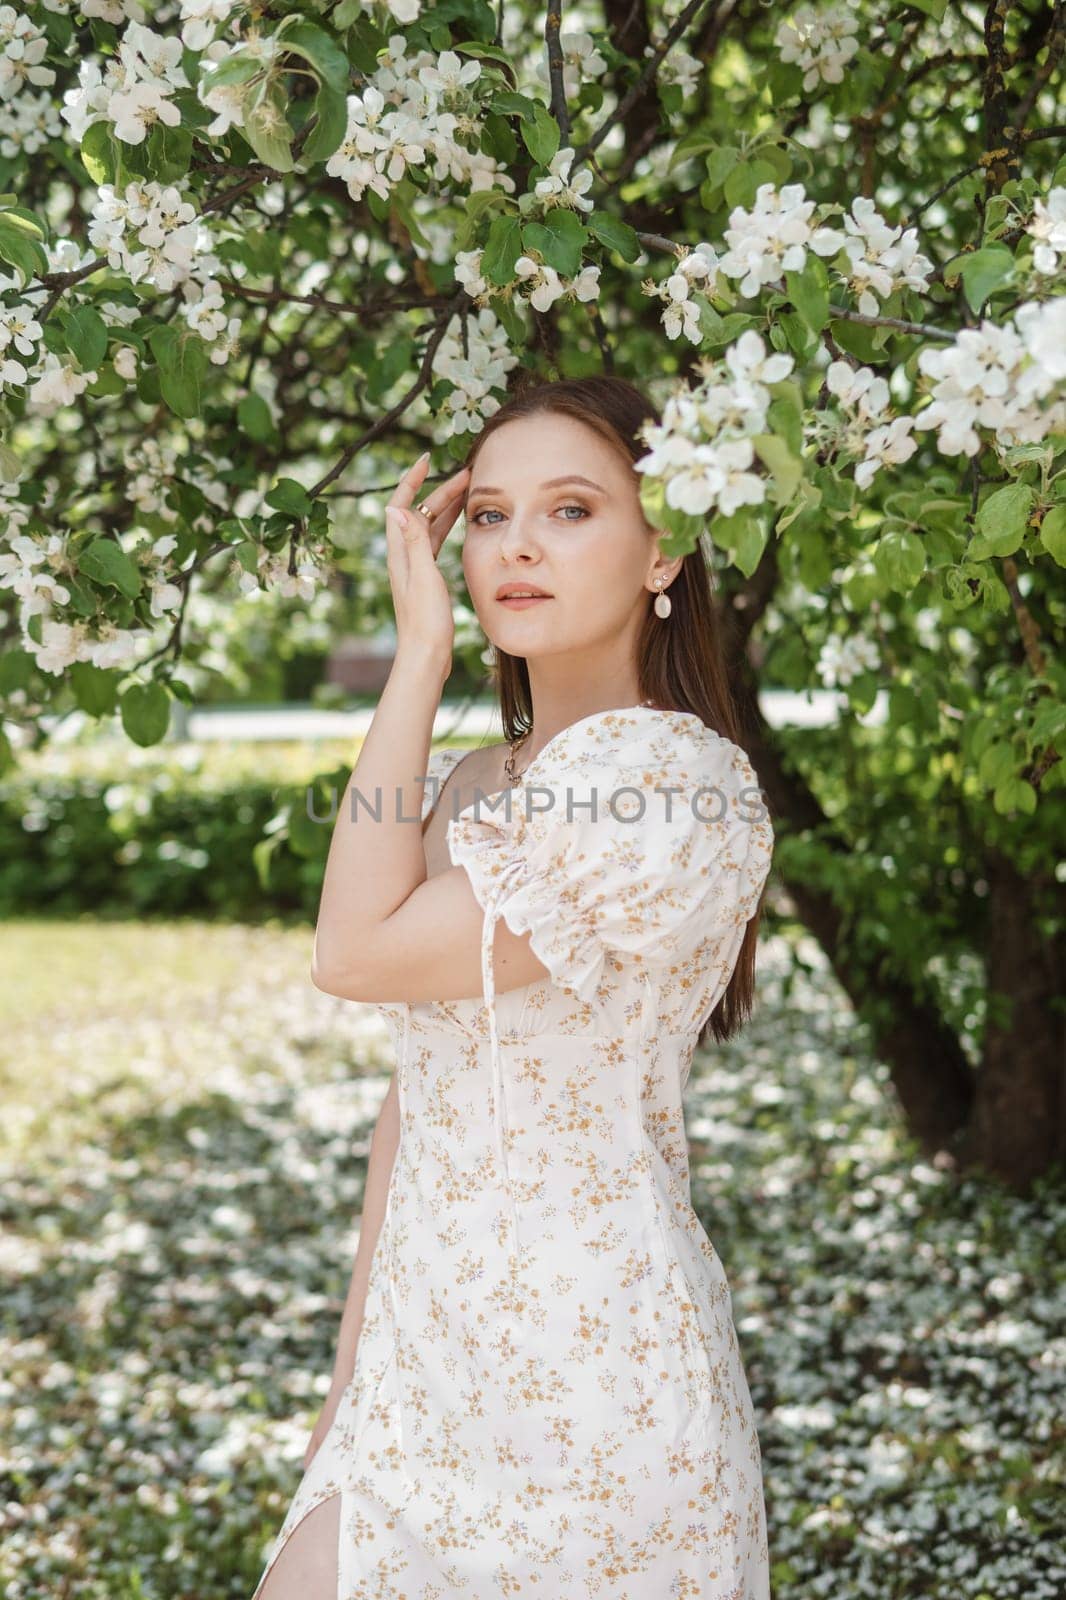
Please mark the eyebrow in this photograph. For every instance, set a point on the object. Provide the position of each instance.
(549, 483)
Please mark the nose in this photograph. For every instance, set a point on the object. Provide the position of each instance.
(514, 538)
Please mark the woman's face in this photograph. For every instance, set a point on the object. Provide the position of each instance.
(551, 505)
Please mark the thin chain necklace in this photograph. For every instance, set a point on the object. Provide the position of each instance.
(514, 778)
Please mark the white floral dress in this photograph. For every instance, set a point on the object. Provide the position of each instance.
(548, 1396)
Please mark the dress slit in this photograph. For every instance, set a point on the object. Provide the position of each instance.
(301, 1523)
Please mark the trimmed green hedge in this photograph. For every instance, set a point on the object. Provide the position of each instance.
(167, 831)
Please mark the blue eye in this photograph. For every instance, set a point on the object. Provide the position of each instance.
(568, 507)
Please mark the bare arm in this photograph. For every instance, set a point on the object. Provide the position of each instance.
(383, 1146)
(374, 890)
(384, 932)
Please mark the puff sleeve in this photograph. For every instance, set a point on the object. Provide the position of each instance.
(625, 854)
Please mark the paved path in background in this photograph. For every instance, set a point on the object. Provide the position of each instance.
(781, 708)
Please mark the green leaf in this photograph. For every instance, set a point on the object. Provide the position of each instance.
(98, 153)
(509, 104)
(106, 562)
(247, 553)
(255, 419)
(263, 851)
(615, 234)
(540, 135)
(809, 292)
(331, 110)
(801, 341)
(86, 334)
(932, 8)
(489, 52)
(1014, 795)
(785, 413)
(743, 181)
(502, 249)
(288, 495)
(145, 711)
(982, 271)
(1001, 521)
(1053, 534)
(560, 240)
(21, 251)
(236, 68)
(689, 145)
(316, 46)
(183, 361)
(16, 670)
(23, 220)
(730, 533)
(268, 132)
(168, 153)
(785, 468)
(720, 163)
(10, 464)
(95, 688)
(309, 835)
(997, 764)
(750, 544)
(899, 558)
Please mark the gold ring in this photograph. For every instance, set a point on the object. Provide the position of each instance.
(423, 512)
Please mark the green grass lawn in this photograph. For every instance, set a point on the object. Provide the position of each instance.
(183, 1150)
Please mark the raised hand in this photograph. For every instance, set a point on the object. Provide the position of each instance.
(420, 597)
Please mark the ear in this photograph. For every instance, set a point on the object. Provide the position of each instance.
(665, 567)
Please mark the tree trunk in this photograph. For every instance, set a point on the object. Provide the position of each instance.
(1018, 1127)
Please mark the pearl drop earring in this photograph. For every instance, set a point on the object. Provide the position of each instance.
(663, 607)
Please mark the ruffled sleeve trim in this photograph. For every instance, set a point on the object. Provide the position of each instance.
(526, 886)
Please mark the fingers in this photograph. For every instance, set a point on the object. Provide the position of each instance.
(438, 499)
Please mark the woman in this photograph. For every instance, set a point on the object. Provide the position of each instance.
(538, 1388)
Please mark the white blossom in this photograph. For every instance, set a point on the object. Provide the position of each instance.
(1005, 379)
(23, 47)
(581, 60)
(773, 237)
(473, 375)
(1048, 228)
(881, 257)
(57, 384)
(821, 40)
(200, 20)
(559, 189)
(702, 450)
(842, 659)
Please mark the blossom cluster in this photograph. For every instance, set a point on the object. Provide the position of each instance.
(148, 232)
(536, 282)
(843, 658)
(34, 568)
(821, 40)
(773, 237)
(863, 398)
(28, 119)
(703, 447)
(581, 61)
(412, 112)
(1009, 379)
(135, 90)
(474, 373)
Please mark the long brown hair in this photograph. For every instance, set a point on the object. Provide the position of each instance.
(680, 662)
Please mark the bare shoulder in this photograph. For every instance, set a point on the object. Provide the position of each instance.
(472, 770)
(476, 771)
